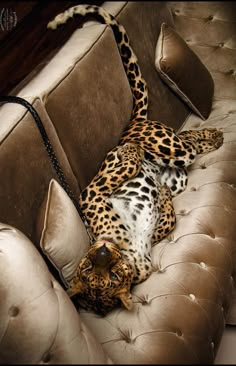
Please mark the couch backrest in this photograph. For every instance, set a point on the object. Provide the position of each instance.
(25, 168)
(142, 21)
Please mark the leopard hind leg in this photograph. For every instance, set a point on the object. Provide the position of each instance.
(175, 178)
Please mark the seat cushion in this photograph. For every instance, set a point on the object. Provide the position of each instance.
(183, 305)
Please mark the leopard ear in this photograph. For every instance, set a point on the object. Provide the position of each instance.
(126, 299)
(75, 288)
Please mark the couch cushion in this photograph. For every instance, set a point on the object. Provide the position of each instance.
(210, 30)
(38, 322)
(85, 88)
(25, 167)
(182, 70)
(60, 232)
(143, 30)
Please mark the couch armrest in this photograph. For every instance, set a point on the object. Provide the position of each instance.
(38, 321)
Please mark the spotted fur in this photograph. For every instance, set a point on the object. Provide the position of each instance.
(128, 204)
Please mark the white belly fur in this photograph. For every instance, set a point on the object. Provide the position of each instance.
(140, 229)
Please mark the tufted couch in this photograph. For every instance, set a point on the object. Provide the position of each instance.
(83, 98)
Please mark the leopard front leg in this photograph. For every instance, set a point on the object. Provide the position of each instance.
(161, 144)
(167, 219)
(121, 164)
(206, 140)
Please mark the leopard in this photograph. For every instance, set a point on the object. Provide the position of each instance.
(129, 202)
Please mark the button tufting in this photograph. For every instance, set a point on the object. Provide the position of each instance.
(203, 265)
(193, 189)
(179, 333)
(203, 166)
(128, 339)
(221, 44)
(13, 311)
(192, 297)
(211, 17)
(230, 72)
(212, 344)
(145, 301)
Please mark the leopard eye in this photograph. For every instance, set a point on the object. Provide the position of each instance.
(113, 276)
(88, 270)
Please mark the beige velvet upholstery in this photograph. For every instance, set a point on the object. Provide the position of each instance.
(61, 233)
(183, 71)
(151, 15)
(180, 312)
(39, 323)
(23, 158)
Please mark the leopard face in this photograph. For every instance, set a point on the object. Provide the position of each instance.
(103, 279)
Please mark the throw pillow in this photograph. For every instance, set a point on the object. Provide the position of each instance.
(61, 232)
(183, 71)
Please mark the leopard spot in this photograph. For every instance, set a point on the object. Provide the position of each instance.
(153, 140)
(125, 52)
(150, 181)
(180, 153)
(101, 181)
(117, 33)
(145, 189)
(132, 194)
(110, 158)
(98, 199)
(84, 194)
(140, 206)
(134, 185)
(166, 141)
(164, 150)
(179, 163)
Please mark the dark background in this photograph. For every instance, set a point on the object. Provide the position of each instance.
(28, 43)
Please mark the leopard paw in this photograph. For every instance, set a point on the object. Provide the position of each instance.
(218, 139)
(213, 139)
(214, 136)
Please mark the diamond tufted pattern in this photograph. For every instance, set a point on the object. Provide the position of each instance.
(209, 28)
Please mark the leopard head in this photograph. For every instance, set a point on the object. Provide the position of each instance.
(103, 279)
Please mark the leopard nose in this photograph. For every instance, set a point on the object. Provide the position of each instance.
(102, 256)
